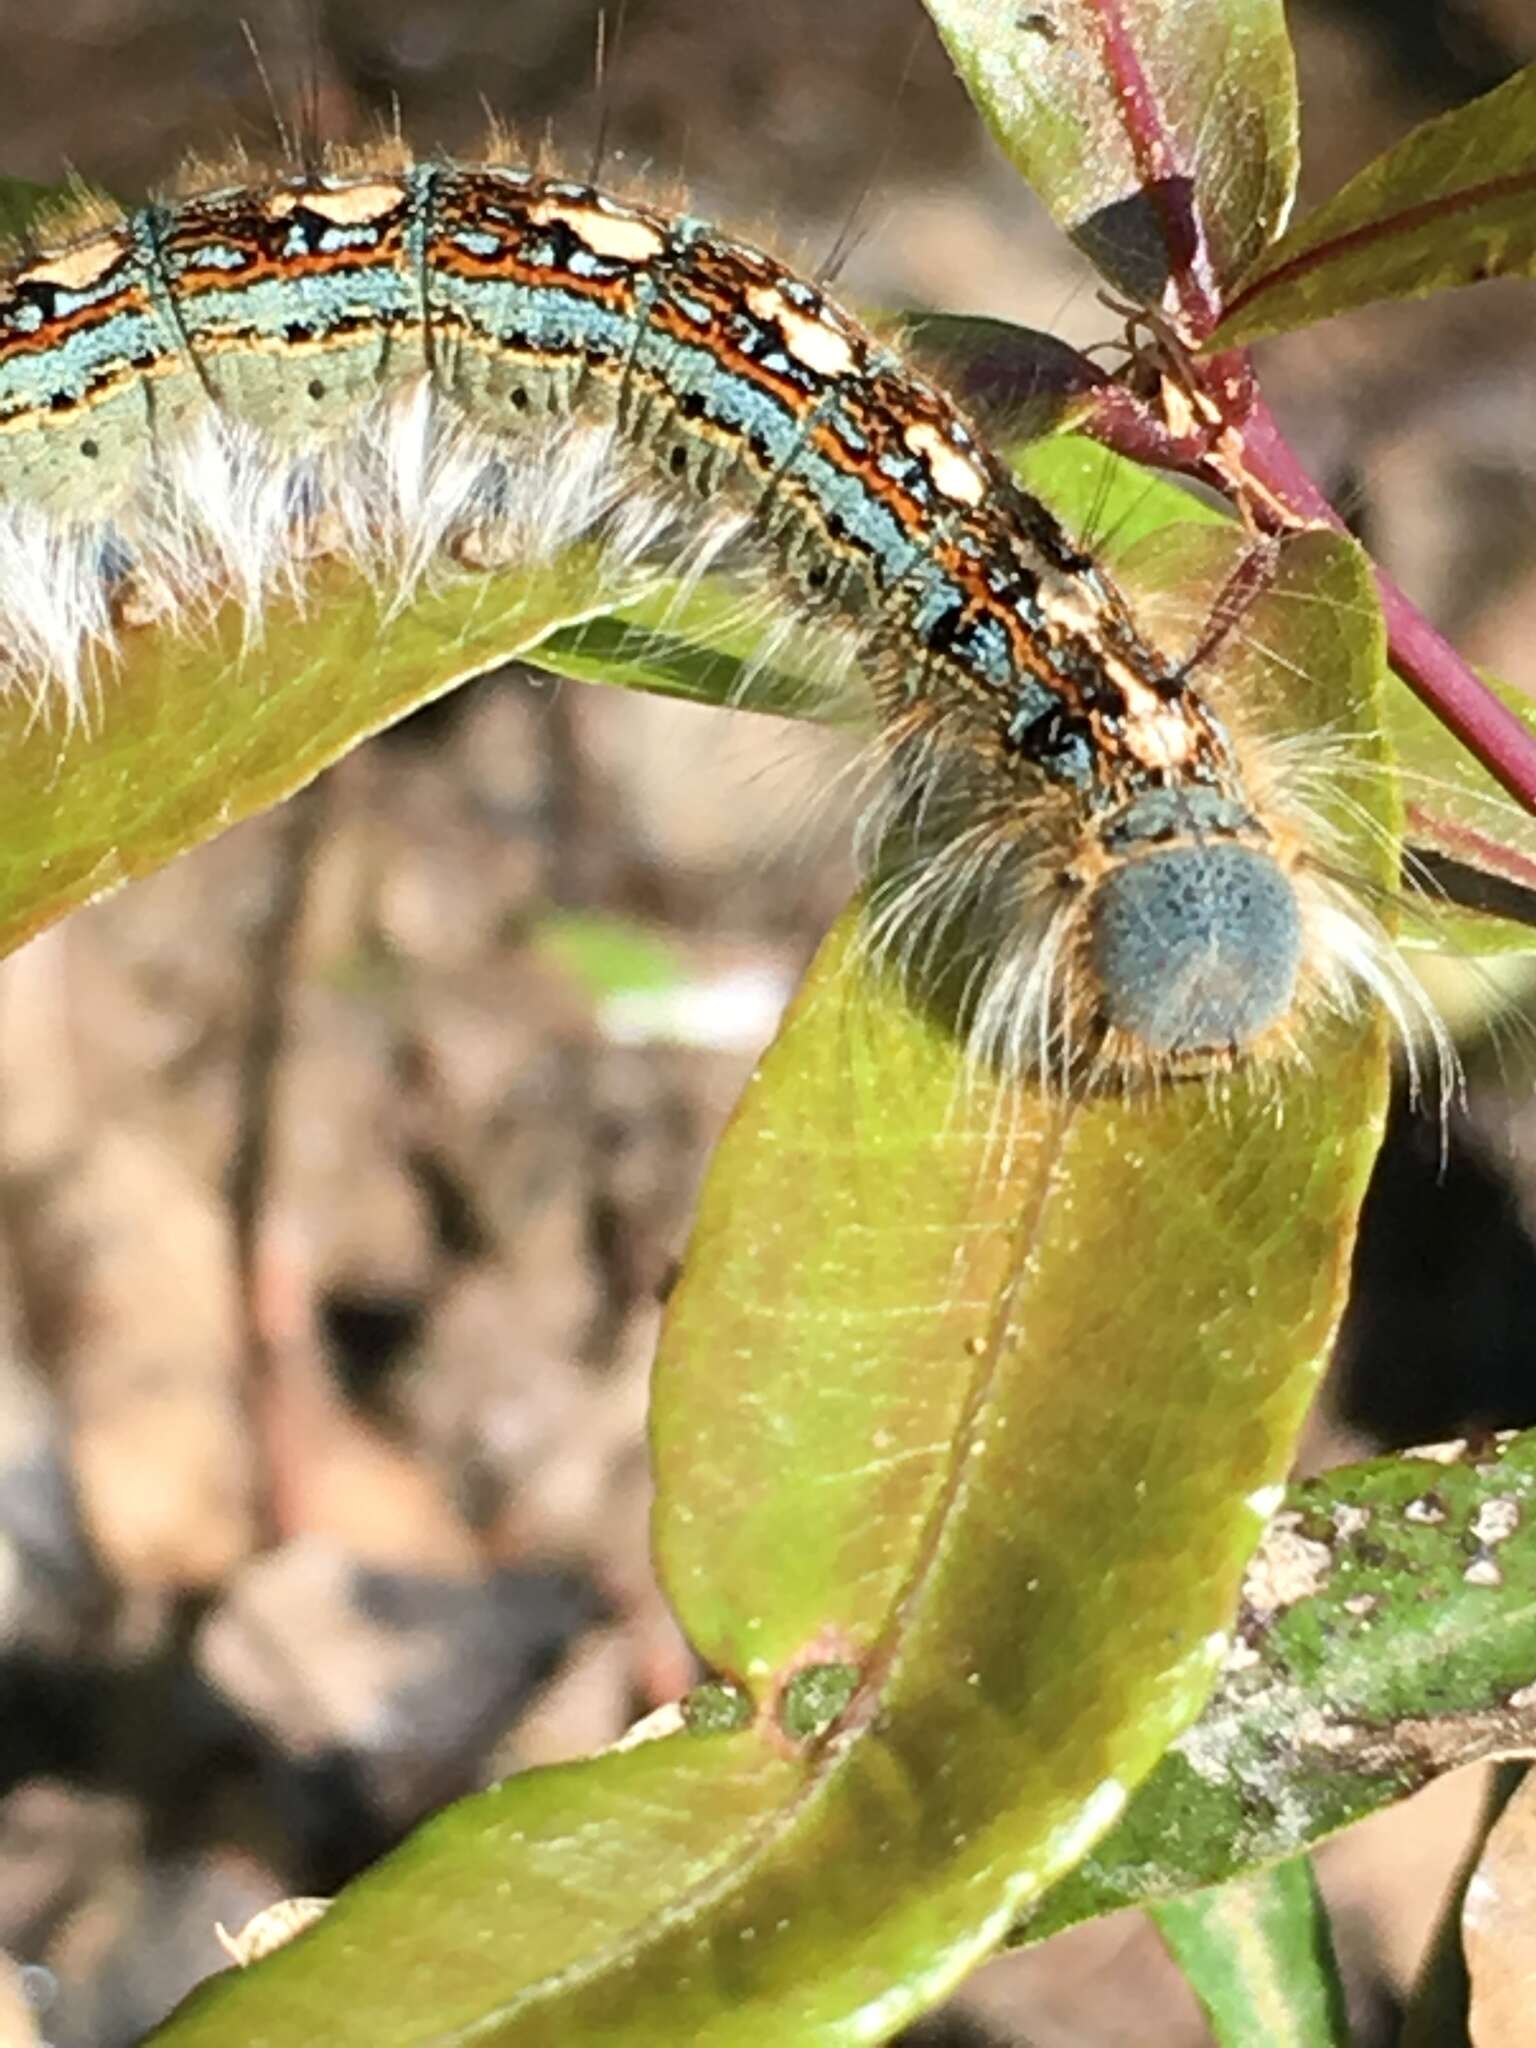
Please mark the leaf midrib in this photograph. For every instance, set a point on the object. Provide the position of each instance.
(863, 1712)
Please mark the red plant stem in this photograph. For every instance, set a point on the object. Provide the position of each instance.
(1156, 156)
(1424, 658)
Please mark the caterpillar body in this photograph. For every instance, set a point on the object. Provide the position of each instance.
(433, 362)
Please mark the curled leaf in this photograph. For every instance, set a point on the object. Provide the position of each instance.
(910, 1443)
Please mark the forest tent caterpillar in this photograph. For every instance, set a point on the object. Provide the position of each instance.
(422, 363)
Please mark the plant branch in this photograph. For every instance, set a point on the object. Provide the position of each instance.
(1241, 451)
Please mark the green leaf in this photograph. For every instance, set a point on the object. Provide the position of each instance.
(1026, 1547)
(1111, 503)
(473, 1929)
(1388, 1634)
(703, 641)
(1260, 1958)
(1030, 382)
(1472, 847)
(904, 1439)
(1453, 203)
(608, 955)
(190, 732)
(1162, 138)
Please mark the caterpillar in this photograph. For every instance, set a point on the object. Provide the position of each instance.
(433, 366)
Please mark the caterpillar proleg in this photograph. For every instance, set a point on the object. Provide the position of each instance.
(427, 366)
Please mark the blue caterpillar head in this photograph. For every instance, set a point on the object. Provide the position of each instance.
(1195, 942)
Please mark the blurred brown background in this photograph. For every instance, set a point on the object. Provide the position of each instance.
(288, 1558)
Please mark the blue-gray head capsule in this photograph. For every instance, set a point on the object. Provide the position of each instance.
(1196, 947)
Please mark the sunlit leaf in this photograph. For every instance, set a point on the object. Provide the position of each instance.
(932, 1512)
(190, 732)
(1162, 138)
(1452, 203)
(1111, 503)
(471, 1930)
(900, 1443)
